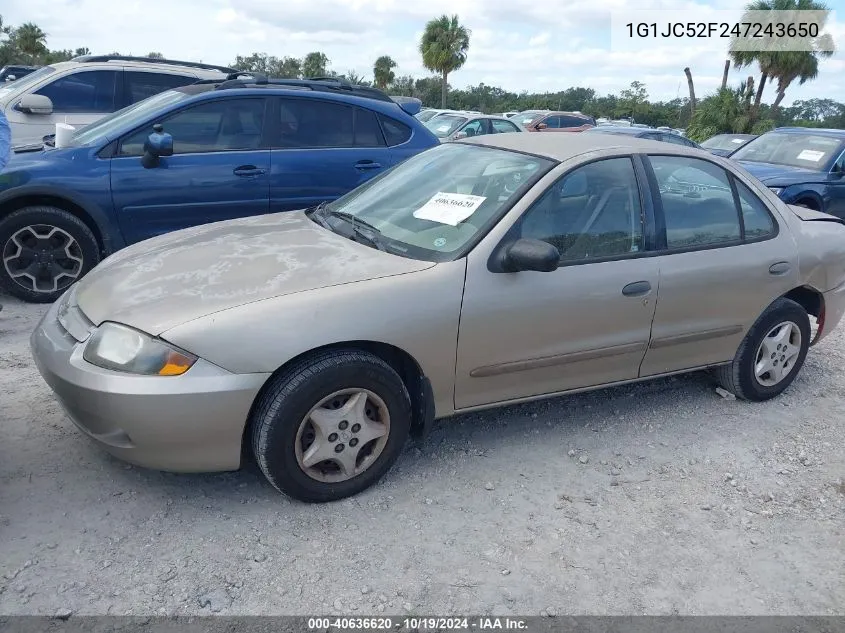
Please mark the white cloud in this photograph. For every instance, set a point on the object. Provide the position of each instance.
(523, 45)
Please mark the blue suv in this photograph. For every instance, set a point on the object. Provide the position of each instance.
(210, 151)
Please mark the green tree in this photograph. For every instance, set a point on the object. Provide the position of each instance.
(288, 68)
(383, 71)
(632, 100)
(444, 47)
(785, 66)
(30, 40)
(315, 64)
(354, 78)
(155, 55)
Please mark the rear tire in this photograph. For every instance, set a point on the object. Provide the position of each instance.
(312, 441)
(43, 250)
(771, 354)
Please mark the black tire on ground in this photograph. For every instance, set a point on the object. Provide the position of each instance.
(86, 248)
(288, 400)
(739, 377)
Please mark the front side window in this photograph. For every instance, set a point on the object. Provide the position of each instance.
(697, 200)
(475, 128)
(212, 126)
(592, 212)
(90, 91)
(433, 204)
(552, 122)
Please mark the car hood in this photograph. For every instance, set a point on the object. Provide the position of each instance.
(781, 175)
(162, 282)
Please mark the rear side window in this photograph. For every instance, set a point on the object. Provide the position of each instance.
(759, 223)
(306, 123)
(571, 121)
(395, 132)
(141, 85)
(698, 204)
(367, 130)
(86, 91)
(503, 126)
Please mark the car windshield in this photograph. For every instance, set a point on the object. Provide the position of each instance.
(524, 118)
(725, 141)
(445, 124)
(114, 124)
(810, 151)
(26, 81)
(425, 116)
(435, 203)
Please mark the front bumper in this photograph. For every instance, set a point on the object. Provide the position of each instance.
(188, 423)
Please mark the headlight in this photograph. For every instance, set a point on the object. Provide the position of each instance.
(121, 348)
(776, 190)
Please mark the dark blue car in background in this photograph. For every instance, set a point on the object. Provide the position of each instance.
(803, 166)
(210, 151)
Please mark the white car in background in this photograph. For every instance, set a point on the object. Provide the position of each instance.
(87, 88)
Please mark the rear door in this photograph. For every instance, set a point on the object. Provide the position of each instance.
(321, 149)
(219, 169)
(724, 259)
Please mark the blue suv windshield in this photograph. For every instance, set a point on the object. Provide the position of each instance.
(114, 124)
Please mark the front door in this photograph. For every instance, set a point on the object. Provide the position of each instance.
(322, 150)
(219, 170)
(79, 98)
(588, 323)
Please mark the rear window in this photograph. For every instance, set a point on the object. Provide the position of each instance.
(395, 132)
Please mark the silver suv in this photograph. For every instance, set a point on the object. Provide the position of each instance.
(82, 90)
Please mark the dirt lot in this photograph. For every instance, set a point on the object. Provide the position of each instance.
(658, 498)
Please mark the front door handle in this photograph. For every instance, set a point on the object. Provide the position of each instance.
(636, 289)
(248, 171)
(367, 164)
(780, 268)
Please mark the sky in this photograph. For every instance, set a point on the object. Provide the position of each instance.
(532, 45)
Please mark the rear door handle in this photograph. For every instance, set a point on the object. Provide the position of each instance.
(636, 289)
(367, 164)
(780, 268)
(247, 171)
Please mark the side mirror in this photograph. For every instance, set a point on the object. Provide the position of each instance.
(541, 126)
(35, 104)
(460, 135)
(10, 78)
(529, 254)
(158, 144)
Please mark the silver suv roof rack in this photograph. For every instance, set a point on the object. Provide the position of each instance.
(151, 60)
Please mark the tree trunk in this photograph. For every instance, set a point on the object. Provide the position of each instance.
(725, 74)
(759, 95)
(691, 91)
(444, 89)
(776, 104)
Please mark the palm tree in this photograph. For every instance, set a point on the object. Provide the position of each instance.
(444, 47)
(383, 71)
(30, 39)
(785, 66)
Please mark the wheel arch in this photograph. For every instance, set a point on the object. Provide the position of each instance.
(812, 300)
(809, 198)
(95, 220)
(408, 368)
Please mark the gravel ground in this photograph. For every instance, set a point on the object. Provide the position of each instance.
(658, 498)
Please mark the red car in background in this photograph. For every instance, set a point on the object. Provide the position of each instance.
(548, 121)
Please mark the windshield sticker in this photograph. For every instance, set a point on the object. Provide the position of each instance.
(810, 154)
(443, 128)
(449, 208)
(737, 140)
(440, 242)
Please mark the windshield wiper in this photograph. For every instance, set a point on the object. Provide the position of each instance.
(360, 228)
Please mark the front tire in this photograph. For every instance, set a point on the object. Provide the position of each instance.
(331, 425)
(43, 250)
(771, 354)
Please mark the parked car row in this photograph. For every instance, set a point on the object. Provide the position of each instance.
(369, 292)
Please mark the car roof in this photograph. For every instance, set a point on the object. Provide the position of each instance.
(622, 129)
(812, 130)
(551, 146)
